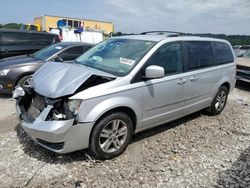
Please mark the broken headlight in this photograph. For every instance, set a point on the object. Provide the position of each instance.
(74, 105)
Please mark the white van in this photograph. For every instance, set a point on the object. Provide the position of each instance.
(122, 86)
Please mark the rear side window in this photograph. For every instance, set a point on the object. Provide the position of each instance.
(15, 38)
(71, 53)
(223, 53)
(168, 56)
(200, 54)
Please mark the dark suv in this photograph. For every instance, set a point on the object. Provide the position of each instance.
(19, 42)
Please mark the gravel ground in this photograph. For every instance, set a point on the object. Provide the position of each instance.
(195, 151)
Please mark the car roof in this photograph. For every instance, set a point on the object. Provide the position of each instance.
(161, 37)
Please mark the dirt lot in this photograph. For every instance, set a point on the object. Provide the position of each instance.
(195, 151)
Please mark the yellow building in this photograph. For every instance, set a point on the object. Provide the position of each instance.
(47, 22)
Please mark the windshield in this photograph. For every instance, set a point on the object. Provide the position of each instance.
(116, 56)
(47, 52)
(247, 54)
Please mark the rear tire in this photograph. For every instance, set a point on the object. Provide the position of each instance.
(111, 136)
(219, 102)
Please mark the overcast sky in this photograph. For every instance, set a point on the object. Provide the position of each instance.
(194, 16)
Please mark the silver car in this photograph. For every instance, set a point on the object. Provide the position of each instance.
(122, 86)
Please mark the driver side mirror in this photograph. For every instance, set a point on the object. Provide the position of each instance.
(58, 59)
(154, 71)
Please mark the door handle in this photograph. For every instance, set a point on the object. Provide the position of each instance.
(193, 78)
(181, 81)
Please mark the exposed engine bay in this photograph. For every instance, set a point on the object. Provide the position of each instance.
(31, 103)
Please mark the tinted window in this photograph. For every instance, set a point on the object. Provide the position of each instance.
(168, 56)
(71, 53)
(200, 54)
(15, 38)
(42, 39)
(223, 53)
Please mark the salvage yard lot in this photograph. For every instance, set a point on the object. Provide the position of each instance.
(198, 150)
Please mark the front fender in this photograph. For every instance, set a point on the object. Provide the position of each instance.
(92, 110)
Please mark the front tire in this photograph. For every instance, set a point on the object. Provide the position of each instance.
(111, 135)
(25, 81)
(219, 102)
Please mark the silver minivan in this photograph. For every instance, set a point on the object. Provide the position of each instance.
(122, 86)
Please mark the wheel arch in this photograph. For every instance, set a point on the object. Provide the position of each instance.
(21, 76)
(123, 109)
(227, 85)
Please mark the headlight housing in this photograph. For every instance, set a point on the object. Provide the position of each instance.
(74, 105)
(4, 72)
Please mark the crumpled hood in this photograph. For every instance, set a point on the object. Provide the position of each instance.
(16, 61)
(55, 79)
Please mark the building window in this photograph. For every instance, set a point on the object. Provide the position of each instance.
(70, 23)
(76, 24)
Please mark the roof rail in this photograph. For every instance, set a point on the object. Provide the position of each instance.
(171, 33)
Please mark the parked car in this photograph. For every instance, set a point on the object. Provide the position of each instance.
(17, 71)
(122, 86)
(243, 67)
(20, 42)
(239, 50)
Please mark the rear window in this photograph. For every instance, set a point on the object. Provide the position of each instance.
(223, 53)
(14, 38)
(200, 54)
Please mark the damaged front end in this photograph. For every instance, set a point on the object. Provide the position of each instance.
(32, 105)
(47, 113)
(51, 122)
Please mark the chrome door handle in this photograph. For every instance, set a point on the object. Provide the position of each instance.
(181, 81)
(193, 78)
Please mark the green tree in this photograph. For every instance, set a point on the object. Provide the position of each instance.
(12, 26)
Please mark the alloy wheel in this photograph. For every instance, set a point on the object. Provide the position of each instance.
(220, 100)
(113, 136)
